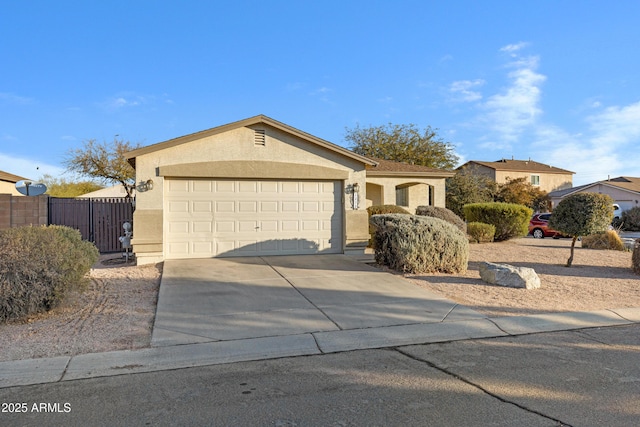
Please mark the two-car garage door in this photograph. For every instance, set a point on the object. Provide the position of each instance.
(206, 218)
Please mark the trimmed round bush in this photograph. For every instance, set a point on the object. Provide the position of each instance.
(609, 240)
(380, 210)
(39, 266)
(443, 214)
(418, 244)
(510, 220)
(480, 232)
(386, 209)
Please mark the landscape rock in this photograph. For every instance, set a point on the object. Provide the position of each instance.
(509, 275)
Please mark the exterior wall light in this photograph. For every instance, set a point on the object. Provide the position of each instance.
(355, 194)
(144, 186)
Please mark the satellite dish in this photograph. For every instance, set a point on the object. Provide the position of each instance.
(29, 188)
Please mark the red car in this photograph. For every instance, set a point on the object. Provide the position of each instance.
(539, 227)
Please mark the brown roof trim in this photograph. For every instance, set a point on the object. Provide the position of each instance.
(9, 177)
(519, 166)
(391, 168)
(260, 119)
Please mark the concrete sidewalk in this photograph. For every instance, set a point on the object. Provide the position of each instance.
(225, 311)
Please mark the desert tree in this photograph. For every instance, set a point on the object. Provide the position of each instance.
(467, 187)
(582, 214)
(103, 161)
(402, 143)
(62, 187)
(520, 191)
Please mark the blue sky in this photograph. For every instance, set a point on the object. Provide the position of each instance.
(557, 82)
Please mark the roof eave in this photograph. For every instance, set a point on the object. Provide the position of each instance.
(131, 155)
(435, 174)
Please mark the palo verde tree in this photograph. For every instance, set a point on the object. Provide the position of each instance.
(104, 161)
(61, 187)
(582, 214)
(402, 143)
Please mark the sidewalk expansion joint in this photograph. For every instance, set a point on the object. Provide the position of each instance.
(445, 371)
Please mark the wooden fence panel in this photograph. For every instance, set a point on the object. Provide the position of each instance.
(98, 220)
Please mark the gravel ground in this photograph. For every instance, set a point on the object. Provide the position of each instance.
(117, 310)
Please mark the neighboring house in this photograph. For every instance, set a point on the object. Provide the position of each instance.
(108, 192)
(547, 178)
(8, 183)
(624, 190)
(260, 187)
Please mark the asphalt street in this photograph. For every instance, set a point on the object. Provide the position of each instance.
(586, 377)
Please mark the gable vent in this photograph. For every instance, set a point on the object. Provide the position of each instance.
(259, 138)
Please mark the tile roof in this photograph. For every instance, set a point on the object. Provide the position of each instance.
(625, 182)
(9, 177)
(520, 165)
(388, 167)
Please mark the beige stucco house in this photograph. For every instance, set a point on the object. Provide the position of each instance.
(8, 183)
(547, 178)
(260, 187)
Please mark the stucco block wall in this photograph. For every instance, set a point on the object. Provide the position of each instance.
(17, 211)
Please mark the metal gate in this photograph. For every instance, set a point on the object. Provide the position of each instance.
(98, 220)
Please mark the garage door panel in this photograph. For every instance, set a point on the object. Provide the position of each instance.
(235, 218)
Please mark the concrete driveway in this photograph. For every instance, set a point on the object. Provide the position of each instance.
(224, 299)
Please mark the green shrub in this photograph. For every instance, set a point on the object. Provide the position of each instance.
(380, 210)
(443, 214)
(480, 232)
(386, 209)
(607, 240)
(630, 219)
(417, 244)
(509, 219)
(39, 266)
(635, 258)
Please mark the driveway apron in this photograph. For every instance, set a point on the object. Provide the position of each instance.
(220, 299)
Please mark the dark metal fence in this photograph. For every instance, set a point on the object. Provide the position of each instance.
(98, 220)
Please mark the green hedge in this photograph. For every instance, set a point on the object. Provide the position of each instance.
(511, 220)
(443, 214)
(418, 244)
(480, 232)
(39, 266)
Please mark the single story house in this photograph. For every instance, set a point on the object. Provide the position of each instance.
(113, 191)
(8, 183)
(547, 178)
(624, 190)
(260, 187)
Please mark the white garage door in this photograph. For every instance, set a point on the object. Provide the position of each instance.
(206, 218)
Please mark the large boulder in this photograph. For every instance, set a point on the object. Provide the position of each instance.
(509, 276)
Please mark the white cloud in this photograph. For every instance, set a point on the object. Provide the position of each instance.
(28, 168)
(608, 148)
(513, 48)
(509, 113)
(462, 90)
(15, 99)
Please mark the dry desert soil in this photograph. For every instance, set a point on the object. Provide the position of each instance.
(117, 310)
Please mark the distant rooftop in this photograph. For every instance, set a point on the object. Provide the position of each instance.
(519, 165)
(9, 177)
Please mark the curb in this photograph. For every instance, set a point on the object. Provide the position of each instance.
(94, 365)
